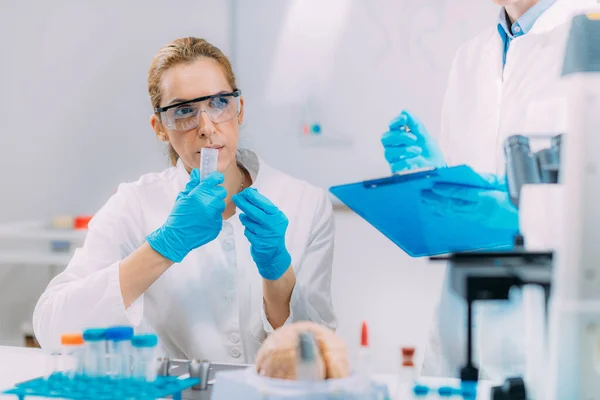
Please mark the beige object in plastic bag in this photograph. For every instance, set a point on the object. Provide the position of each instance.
(278, 356)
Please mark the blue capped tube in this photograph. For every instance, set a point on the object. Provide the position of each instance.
(144, 357)
(95, 361)
(119, 351)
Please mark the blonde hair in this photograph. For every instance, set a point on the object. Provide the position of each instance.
(183, 51)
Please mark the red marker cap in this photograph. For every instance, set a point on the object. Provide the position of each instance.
(364, 335)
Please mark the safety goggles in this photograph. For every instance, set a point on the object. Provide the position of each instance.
(185, 115)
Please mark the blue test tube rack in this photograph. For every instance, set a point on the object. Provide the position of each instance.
(103, 389)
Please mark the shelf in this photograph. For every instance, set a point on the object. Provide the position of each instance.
(35, 258)
(37, 231)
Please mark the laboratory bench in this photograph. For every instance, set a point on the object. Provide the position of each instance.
(18, 364)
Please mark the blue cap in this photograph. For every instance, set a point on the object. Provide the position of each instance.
(145, 340)
(118, 333)
(94, 334)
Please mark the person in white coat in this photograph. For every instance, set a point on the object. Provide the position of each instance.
(505, 81)
(212, 266)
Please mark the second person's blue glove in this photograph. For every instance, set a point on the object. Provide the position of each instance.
(265, 229)
(196, 218)
(490, 207)
(408, 145)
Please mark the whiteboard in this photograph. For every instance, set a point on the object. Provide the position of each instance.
(352, 65)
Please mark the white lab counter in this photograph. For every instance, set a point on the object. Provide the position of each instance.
(18, 364)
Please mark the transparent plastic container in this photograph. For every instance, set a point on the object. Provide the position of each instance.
(119, 352)
(209, 158)
(95, 359)
(71, 360)
(144, 357)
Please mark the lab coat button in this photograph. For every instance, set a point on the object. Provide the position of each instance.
(234, 338)
(235, 353)
(228, 245)
(227, 228)
(229, 297)
(230, 285)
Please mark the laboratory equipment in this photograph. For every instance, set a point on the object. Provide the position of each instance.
(144, 357)
(95, 352)
(521, 165)
(308, 367)
(72, 359)
(565, 363)
(209, 159)
(574, 329)
(363, 361)
(119, 351)
(200, 369)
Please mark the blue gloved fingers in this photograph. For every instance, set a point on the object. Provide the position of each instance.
(219, 192)
(260, 201)
(441, 202)
(465, 193)
(393, 154)
(219, 206)
(410, 164)
(413, 123)
(213, 179)
(242, 202)
(192, 183)
(262, 229)
(398, 139)
(399, 122)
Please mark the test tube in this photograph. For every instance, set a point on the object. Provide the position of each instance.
(71, 361)
(95, 352)
(119, 351)
(144, 357)
(209, 158)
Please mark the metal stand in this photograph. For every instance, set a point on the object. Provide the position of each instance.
(490, 276)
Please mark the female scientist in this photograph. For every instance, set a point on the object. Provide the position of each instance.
(211, 266)
(505, 81)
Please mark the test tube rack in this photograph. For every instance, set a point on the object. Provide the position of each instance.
(103, 389)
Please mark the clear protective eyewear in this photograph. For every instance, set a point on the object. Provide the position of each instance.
(185, 115)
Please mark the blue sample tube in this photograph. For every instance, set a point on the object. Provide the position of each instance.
(95, 365)
(119, 351)
(144, 357)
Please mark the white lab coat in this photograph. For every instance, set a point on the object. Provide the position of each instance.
(209, 306)
(483, 105)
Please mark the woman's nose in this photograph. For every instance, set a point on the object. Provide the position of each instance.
(205, 125)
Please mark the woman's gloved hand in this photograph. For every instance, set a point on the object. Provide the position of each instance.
(408, 145)
(265, 229)
(196, 218)
(490, 207)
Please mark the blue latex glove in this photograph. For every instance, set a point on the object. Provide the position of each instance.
(490, 207)
(410, 149)
(194, 220)
(265, 229)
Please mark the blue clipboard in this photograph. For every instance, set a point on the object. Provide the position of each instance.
(392, 205)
